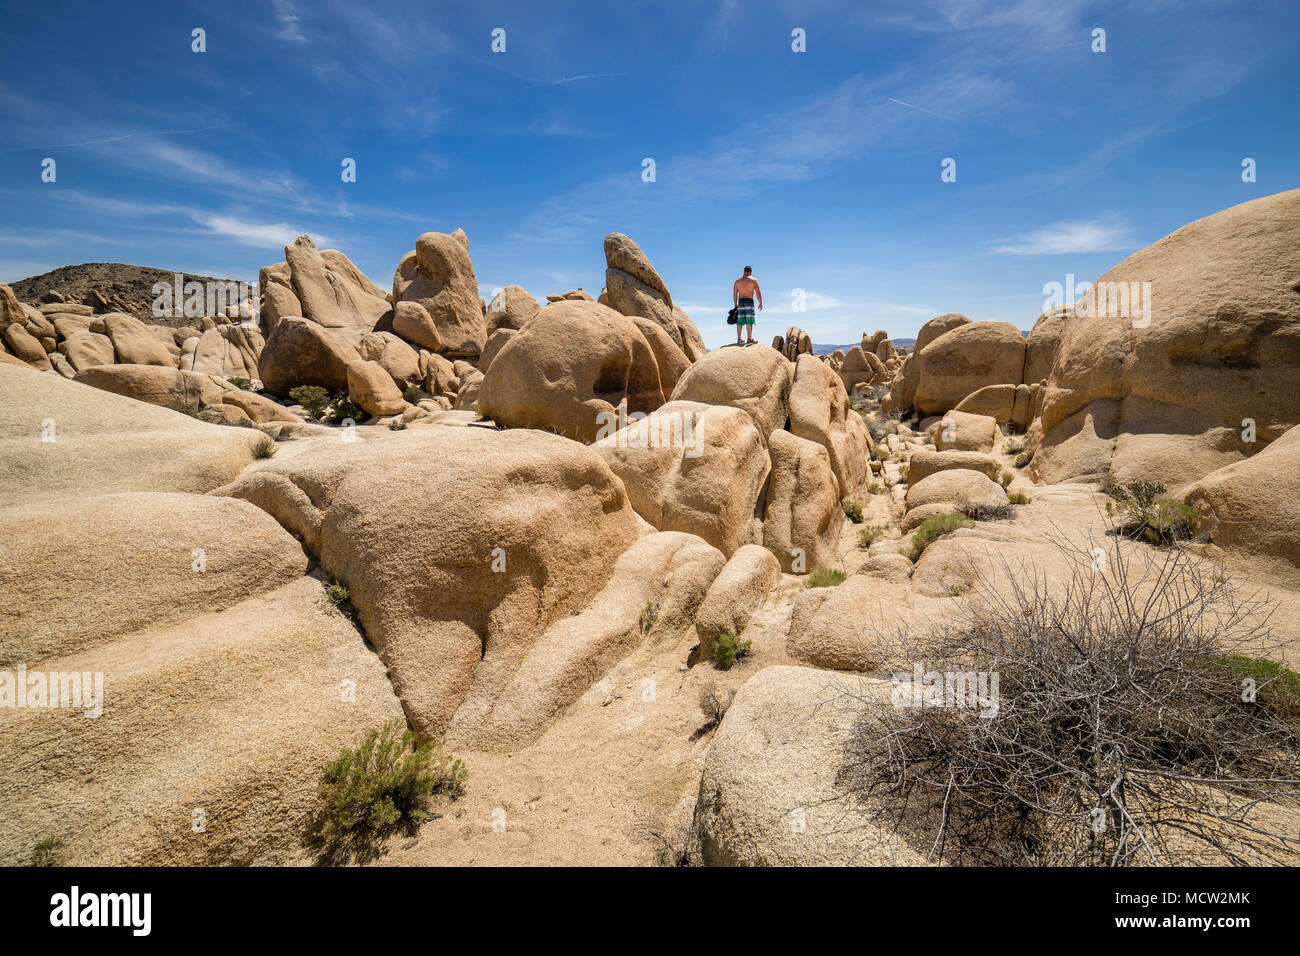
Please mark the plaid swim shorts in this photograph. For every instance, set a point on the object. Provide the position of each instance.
(745, 312)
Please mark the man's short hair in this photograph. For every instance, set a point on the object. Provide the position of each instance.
(748, 269)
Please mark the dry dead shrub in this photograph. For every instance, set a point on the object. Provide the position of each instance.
(1136, 724)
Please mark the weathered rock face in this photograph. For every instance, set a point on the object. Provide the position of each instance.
(633, 287)
(1042, 344)
(694, 468)
(156, 557)
(775, 761)
(324, 285)
(937, 327)
(669, 572)
(301, 352)
(569, 369)
(233, 711)
(672, 361)
(994, 401)
(26, 347)
(860, 366)
(59, 438)
(1250, 507)
(965, 359)
(373, 389)
(453, 588)
(134, 343)
(794, 343)
(922, 464)
(755, 379)
(963, 431)
(1161, 392)
(802, 522)
(738, 591)
(510, 309)
(439, 277)
(820, 412)
(847, 627)
(955, 488)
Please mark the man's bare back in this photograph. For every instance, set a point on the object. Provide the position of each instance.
(743, 294)
(746, 287)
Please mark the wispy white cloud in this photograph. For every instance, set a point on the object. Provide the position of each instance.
(257, 233)
(290, 22)
(1069, 237)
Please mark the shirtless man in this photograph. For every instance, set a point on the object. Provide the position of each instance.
(743, 294)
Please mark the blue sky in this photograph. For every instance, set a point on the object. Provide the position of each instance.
(821, 168)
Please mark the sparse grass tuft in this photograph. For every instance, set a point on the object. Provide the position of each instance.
(46, 852)
(936, 526)
(853, 511)
(870, 535)
(1018, 498)
(825, 578)
(265, 447)
(649, 617)
(877, 489)
(336, 593)
(1024, 458)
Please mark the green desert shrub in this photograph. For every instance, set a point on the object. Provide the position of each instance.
(413, 394)
(936, 526)
(311, 397)
(825, 578)
(1275, 685)
(336, 593)
(870, 535)
(877, 489)
(1147, 514)
(1024, 458)
(384, 783)
(729, 648)
(1018, 498)
(246, 384)
(342, 408)
(853, 511)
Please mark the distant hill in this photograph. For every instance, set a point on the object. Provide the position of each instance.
(126, 288)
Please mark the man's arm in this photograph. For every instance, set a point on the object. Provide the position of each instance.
(735, 293)
(759, 292)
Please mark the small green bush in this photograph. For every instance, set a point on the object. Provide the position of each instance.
(936, 526)
(987, 512)
(1004, 477)
(1024, 458)
(1018, 498)
(877, 489)
(881, 453)
(337, 593)
(45, 852)
(413, 394)
(246, 384)
(343, 408)
(870, 535)
(649, 616)
(311, 397)
(729, 648)
(825, 578)
(853, 511)
(384, 783)
(1147, 514)
(265, 447)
